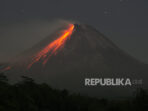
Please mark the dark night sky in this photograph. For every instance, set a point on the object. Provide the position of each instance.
(123, 21)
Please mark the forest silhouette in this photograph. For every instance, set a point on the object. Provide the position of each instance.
(27, 95)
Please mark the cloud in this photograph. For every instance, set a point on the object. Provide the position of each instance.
(17, 37)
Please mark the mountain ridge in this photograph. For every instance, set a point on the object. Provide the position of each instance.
(87, 53)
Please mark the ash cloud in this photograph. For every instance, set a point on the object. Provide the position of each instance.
(17, 37)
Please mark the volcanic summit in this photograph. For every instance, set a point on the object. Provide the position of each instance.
(71, 54)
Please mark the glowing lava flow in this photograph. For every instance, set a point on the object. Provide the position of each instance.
(52, 47)
(6, 68)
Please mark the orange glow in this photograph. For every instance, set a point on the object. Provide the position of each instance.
(7, 68)
(52, 47)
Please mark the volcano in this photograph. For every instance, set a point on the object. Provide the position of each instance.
(71, 54)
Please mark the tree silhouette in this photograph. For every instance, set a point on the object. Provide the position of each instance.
(27, 95)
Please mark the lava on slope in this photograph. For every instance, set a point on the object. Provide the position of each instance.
(53, 47)
(6, 68)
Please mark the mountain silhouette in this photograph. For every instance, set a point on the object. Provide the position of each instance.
(73, 53)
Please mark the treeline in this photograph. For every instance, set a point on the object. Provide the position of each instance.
(30, 96)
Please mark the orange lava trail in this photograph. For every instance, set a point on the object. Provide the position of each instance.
(52, 47)
(7, 68)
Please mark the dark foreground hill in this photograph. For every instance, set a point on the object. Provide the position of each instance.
(27, 95)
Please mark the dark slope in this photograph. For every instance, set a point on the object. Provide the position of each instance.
(86, 54)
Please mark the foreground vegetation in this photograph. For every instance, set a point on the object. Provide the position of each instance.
(30, 96)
